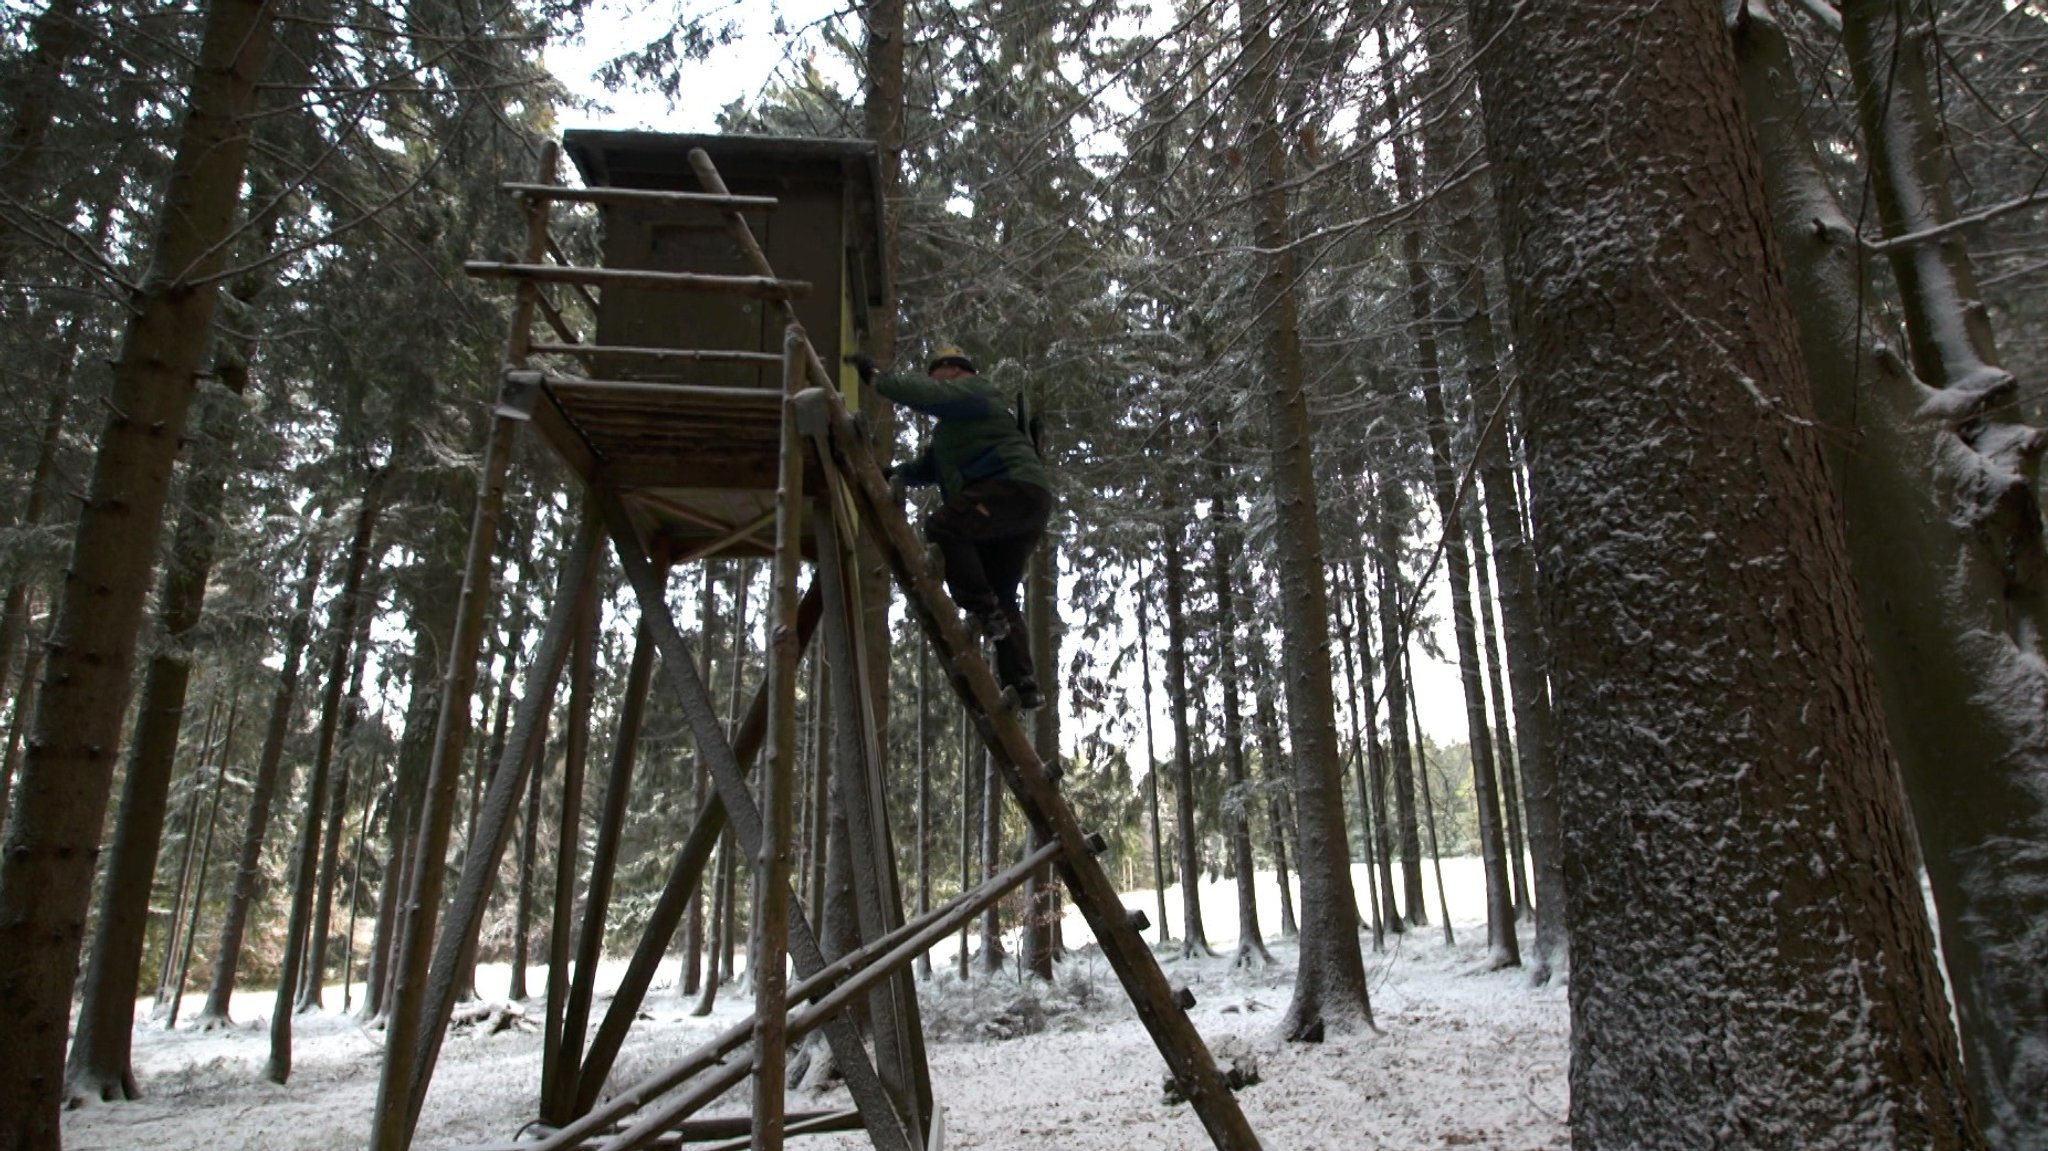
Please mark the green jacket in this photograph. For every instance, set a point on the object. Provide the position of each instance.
(977, 437)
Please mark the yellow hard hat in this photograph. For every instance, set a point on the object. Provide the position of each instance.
(950, 354)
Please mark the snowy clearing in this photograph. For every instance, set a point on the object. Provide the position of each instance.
(1465, 1058)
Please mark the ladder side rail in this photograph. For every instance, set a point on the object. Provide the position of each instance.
(1025, 774)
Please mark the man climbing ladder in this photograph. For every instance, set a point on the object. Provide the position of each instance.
(997, 499)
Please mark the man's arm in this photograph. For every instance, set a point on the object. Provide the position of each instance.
(946, 399)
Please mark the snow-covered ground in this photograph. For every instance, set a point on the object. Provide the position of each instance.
(1463, 1058)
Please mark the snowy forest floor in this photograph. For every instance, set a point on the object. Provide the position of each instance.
(1463, 1058)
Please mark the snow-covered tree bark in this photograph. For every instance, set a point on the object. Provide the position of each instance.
(1943, 527)
(1329, 989)
(1751, 964)
(60, 800)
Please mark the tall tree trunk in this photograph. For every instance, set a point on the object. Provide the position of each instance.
(992, 954)
(60, 801)
(1942, 521)
(433, 616)
(14, 607)
(1223, 552)
(1390, 512)
(1521, 626)
(1371, 916)
(1436, 859)
(220, 779)
(181, 887)
(1747, 844)
(1194, 939)
(529, 864)
(924, 800)
(1041, 893)
(1382, 843)
(1503, 947)
(58, 36)
(311, 984)
(558, 1082)
(248, 866)
(98, 1067)
(306, 853)
(1152, 765)
(970, 801)
(882, 114)
(1497, 698)
(1329, 988)
(1273, 769)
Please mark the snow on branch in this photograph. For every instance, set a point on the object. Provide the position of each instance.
(1970, 219)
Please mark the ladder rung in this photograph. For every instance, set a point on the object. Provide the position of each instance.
(685, 355)
(759, 287)
(643, 196)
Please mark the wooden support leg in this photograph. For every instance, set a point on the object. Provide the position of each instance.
(392, 1122)
(558, 1103)
(684, 878)
(455, 950)
(557, 1074)
(769, 955)
(886, 1129)
(898, 1030)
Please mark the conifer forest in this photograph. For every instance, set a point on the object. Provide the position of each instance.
(1543, 622)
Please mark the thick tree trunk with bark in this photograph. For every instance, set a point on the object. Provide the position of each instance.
(248, 867)
(1733, 819)
(98, 1067)
(60, 801)
(1329, 987)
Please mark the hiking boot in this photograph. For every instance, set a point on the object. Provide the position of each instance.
(995, 625)
(1029, 698)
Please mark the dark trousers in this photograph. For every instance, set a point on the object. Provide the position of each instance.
(987, 531)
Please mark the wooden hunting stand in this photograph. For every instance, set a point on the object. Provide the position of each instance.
(705, 421)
